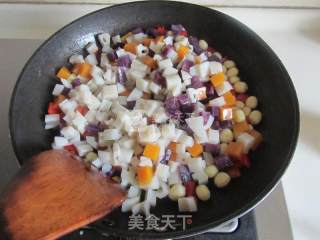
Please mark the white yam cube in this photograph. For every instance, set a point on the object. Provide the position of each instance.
(196, 124)
(201, 70)
(98, 80)
(116, 39)
(79, 122)
(135, 95)
(144, 161)
(150, 133)
(187, 204)
(217, 102)
(52, 120)
(76, 58)
(126, 155)
(247, 140)
(168, 40)
(91, 59)
(176, 90)
(157, 57)
(162, 172)
(106, 156)
(160, 115)
(208, 123)
(163, 191)
(127, 177)
(178, 134)
(154, 88)
(139, 36)
(104, 39)
(155, 183)
(173, 166)
(134, 191)
(70, 133)
(92, 141)
(172, 81)
(145, 208)
(213, 136)
(105, 105)
(104, 61)
(58, 88)
(191, 92)
(137, 208)
(133, 75)
(166, 63)
(186, 140)
(174, 178)
(60, 142)
(196, 165)
(108, 76)
(224, 88)
(142, 85)
(168, 131)
(83, 149)
(66, 83)
(92, 48)
(97, 163)
(110, 92)
(201, 177)
(156, 46)
(112, 134)
(169, 71)
(139, 66)
(151, 197)
(129, 203)
(106, 168)
(186, 77)
(180, 148)
(215, 67)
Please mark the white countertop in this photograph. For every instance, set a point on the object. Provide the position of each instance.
(295, 36)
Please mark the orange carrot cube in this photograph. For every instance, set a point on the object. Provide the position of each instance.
(197, 60)
(229, 98)
(240, 128)
(226, 113)
(217, 79)
(85, 70)
(146, 95)
(146, 41)
(147, 60)
(173, 146)
(144, 175)
(182, 51)
(63, 73)
(76, 68)
(235, 149)
(195, 150)
(151, 151)
(131, 47)
(173, 156)
(258, 138)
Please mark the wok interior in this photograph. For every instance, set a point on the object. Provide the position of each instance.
(258, 66)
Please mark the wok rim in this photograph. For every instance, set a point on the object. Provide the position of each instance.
(239, 212)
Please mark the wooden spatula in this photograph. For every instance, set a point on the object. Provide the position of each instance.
(54, 194)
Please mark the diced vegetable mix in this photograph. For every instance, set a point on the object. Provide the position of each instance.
(156, 110)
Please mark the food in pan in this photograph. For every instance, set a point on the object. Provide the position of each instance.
(158, 111)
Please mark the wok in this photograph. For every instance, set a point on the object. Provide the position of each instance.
(259, 67)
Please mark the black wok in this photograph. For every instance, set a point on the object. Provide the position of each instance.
(259, 67)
